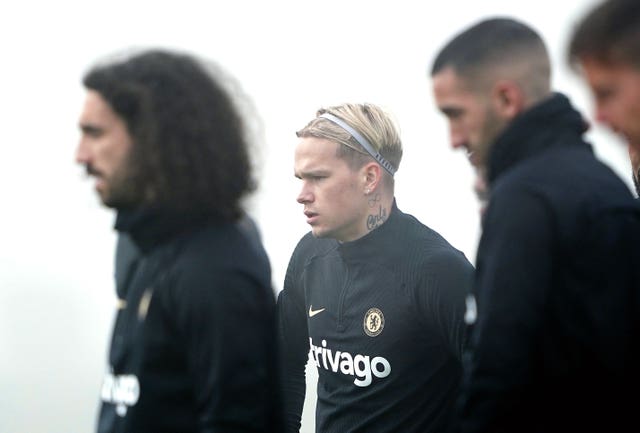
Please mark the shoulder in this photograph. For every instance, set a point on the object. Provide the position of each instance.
(310, 247)
(563, 186)
(224, 240)
(422, 246)
(412, 232)
(307, 250)
(220, 252)
(569, 170)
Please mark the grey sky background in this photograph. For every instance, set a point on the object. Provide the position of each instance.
(290, 57)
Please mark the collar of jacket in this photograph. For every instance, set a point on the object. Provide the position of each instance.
(370, 245)
(553, 122)
(149, 227)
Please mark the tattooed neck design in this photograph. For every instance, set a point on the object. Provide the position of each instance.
(374, 200)
(376, 220)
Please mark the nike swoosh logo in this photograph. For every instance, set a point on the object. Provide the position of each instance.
(313, 312)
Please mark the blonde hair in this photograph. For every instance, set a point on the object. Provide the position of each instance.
(371, 121)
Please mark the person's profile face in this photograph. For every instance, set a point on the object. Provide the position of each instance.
(331, 192)
(104, 148)
(473, 124)
(616, 92)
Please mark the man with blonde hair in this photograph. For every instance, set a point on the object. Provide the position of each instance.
(374, 297)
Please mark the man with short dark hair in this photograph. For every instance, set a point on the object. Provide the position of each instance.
(554, 343)
(605, 47)
(193, 346)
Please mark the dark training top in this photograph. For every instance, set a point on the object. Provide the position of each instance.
(194, 344)
(382, 319)
(555, 346)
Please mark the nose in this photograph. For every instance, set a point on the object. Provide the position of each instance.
(82, 155)
(603, 116)
(305, 195)
(600, 115)
(457, 139)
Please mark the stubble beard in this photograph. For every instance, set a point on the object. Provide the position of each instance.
(120, 192)
(494, 127)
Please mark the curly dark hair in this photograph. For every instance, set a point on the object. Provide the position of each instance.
(190, 151)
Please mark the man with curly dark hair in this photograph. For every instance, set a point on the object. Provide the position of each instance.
(193, 346)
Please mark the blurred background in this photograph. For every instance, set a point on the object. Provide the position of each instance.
(290, 57)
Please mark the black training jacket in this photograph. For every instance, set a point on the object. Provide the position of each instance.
(193, 346)
(382, 320)
(555, 344)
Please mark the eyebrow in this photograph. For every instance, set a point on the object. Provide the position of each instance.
(88, 128)
(451, 111)
(311, 173)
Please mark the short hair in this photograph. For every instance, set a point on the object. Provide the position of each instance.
(190, 149)
(371, 121)
(498, 42)
(610, 33)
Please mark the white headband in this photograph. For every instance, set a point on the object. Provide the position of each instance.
(363, 142)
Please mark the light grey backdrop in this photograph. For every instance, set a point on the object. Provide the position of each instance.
(291, 57)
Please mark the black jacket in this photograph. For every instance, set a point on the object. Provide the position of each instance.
(193, 346)
(383, 316)
(555, 344)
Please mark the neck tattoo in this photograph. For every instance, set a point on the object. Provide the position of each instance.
(375, 199)
(375, 221)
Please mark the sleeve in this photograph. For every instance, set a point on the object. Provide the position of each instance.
(446, 285)
(294, 343)
(513, 273)
(226, 320)
(451, 282)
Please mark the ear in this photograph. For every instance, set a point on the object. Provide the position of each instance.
(372, 176)
(508, 99)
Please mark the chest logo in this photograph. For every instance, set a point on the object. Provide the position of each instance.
(143, 306)
(313, 312)
(123, 391)
(373, 322)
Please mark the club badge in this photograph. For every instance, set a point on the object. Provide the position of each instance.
(373, 322)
